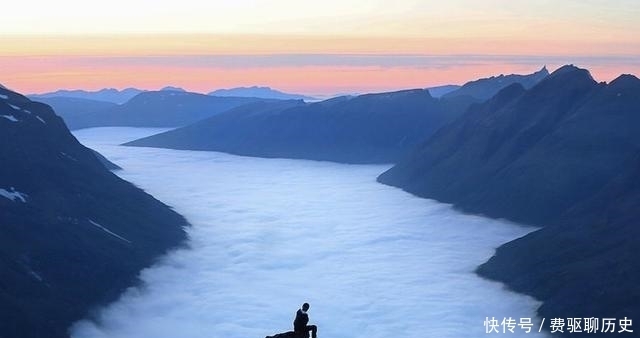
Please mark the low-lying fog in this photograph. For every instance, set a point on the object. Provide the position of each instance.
(270, 234)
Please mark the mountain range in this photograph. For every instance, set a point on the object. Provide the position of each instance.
(106, 95)
(565, 155)
(370, 128)
(373, 128)
(74, 111)
(486, 88)
(168, 108)
(260, 92)
(110, 95)
(74, 235)
(174, 107)
(559, 151)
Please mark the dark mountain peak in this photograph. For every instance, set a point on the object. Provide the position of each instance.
(626, 87)
(485, 88)
(566, 68)
(572, 71)
(625, 81)
(563, 79)
(543, 71)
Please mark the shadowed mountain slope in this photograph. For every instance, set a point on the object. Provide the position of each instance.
(161, 109)
(73, 235)
(372, 128)
(564, 154)
(484, 89)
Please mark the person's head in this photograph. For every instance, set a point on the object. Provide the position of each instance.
(305, 307)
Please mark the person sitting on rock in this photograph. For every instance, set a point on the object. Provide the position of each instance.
(300, 326)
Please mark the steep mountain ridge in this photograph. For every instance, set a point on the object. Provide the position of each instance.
(74, 235)
(483, 89)
(371, 128)
(565, 155)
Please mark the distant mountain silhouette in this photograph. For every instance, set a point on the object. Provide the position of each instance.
(73, 110)
(261, 92)
(440, 91)
(484, 89)
(73, 235)
(157, 109)
(564, 154)
(108, 94)
(372, 128)
(172, 89)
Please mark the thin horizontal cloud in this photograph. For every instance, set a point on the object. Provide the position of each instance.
(314, 74)
(321, 60)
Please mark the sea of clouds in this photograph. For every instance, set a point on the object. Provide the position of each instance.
(270, 234)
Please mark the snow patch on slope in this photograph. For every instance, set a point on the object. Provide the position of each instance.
(35, 275)
(14, 106)
(10, 118)
(109, 231)
(13, 195)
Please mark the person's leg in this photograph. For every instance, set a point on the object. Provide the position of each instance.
(313, 329)
(289, 334)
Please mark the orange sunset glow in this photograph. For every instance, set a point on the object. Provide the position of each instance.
(319, 50)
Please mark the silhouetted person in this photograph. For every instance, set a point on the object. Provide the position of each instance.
(300, 326)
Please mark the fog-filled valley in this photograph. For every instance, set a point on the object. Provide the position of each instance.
(268, 234)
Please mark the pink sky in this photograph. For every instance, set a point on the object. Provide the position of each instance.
(337, 47)
(315, 75)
